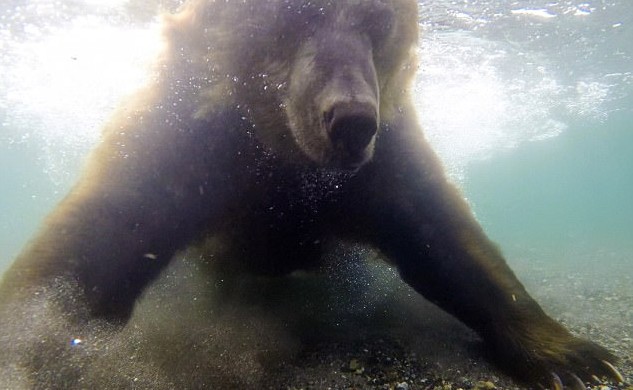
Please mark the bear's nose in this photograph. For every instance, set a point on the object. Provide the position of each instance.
(351, 126)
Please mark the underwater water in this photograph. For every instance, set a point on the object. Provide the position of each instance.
(529, 104)
(538, 98)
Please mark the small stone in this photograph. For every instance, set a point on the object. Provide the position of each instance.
(484, 385)
(356, 367)
(402, 386)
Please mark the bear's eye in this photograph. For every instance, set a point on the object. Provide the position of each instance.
(379, 25)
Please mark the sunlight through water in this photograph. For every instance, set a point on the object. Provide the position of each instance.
(61, 85)
(493, 76)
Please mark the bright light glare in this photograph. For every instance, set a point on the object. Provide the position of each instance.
(469, 109)
(539, 13)
(474, 96)
(460, 109)
(61, 87)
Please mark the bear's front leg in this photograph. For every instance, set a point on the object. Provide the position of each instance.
(149, 189)
(423, 224)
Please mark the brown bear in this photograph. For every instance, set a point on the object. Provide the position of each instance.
(273, 126)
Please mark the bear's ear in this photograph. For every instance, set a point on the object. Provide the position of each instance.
(395, 88)
(196, 47)
(177, 27)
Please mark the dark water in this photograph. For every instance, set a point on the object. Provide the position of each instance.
(529, 103)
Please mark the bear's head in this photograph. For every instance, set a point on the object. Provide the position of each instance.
(315, 78)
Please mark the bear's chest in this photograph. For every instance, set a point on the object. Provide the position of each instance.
(286, 216)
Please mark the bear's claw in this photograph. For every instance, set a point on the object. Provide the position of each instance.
(574, 382)
(547, 356)
(613, 371)
(557, 384)
(577, 382)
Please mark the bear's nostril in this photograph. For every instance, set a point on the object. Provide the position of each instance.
(328, 118)
(353, 133)
(351, 127)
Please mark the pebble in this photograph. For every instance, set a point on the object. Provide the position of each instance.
(485, 385)
(402, 386)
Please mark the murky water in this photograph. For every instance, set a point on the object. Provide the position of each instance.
(529, 103)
